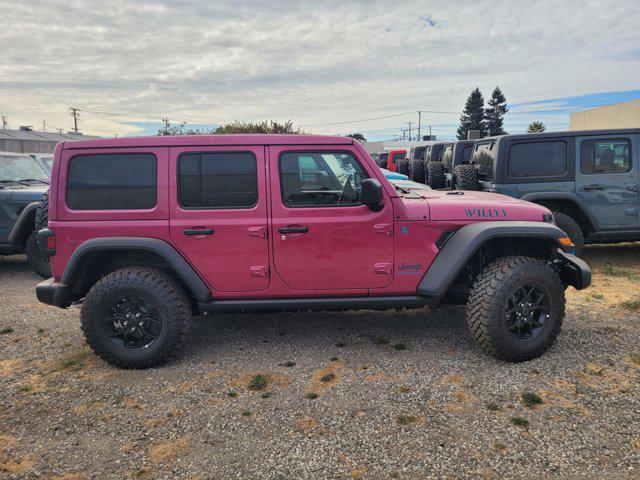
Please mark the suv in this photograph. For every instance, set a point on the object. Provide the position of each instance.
(456, 155)
(433, 168)
(22, 185)
(146, 232)
(588, 179)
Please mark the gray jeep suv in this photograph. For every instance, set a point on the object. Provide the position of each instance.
(588, 179)
(23, 182)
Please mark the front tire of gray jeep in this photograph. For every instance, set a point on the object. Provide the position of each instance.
(569, 226)
(435, 174)
(136, 317)
(38, 263)
(516, 308)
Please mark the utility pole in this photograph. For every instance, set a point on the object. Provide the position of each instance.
(419, 125)
(410, 123)
(4, 122)
(75, 113)
(44, 125)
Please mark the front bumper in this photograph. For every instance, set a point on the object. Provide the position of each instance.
(53, 293)
(572, 270)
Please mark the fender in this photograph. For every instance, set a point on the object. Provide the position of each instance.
(566, 196)
(167, 252)
(25, 223)
(460, 247)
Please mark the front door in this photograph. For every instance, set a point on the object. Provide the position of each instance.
(323, 237)
(607, 179)
(219, 214)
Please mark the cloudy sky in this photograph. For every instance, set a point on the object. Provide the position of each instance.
(127, 64)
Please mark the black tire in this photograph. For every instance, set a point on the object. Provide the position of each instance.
(495, 289)
(569, 226)
(466, 177)
(416, 170)
(37, 262)
(42, 213)
(436, 175)
(164, 297)
(403, 166)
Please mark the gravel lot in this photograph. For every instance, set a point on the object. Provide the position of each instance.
(437, 408)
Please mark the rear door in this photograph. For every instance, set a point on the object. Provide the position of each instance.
(607, 178)
(219, 214)
(323, 237)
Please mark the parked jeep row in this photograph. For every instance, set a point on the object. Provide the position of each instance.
(588, 179)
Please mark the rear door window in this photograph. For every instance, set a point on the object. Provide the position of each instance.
(605, 156)
(484, 155)
(538, 159)
(217, 180)
(119, 181)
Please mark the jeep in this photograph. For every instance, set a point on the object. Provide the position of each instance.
(454, 156)
(143, 233)
(588, 179)
(433, 167)
(22, 185)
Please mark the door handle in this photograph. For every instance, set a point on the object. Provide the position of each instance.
(293, 229)
(198, 231)
(593, 187)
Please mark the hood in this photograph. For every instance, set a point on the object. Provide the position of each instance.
(468, 206)
(27, 194)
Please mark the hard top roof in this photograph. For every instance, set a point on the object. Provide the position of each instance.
(568, 133)
(208, 140)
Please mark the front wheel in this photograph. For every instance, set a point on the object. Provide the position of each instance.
(516, 308)
(435, 175)
(135, 317)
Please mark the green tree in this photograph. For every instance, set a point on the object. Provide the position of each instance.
(357, 136)
(536, 127)
(494, 113)
(473, 115)
(258, 127)
(181, 129)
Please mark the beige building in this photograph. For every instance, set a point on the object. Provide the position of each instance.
(619, 115)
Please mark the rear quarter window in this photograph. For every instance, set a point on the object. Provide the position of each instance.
(539, 159)
(119, 181)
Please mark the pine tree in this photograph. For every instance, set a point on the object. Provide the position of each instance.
(473, 115)
(494, 113)
(536, 127)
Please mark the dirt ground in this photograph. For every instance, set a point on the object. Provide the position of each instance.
(327, 395)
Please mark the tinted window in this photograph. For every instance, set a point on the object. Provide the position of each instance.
(484, 155)
(217, 180)
(119, 181)
(543, 159)
(466, 154)
(605, 156)
(320, 179)
(439, 154)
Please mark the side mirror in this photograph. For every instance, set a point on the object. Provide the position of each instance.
(371, 194)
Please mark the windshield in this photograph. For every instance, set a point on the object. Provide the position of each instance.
(17, 168)
(484, 155)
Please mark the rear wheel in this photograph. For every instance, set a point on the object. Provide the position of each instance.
(38, 263)
(416, 170)
(516, 308)
(135, 317)
(569, 226)
(466, 177)
(436, 175)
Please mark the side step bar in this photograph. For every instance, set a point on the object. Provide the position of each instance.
(314, 304)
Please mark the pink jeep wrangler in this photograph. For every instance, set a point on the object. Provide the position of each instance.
(146, 232)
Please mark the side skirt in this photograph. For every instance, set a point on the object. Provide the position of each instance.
(314, 304)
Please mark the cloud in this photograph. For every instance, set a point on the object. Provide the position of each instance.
(313, 62)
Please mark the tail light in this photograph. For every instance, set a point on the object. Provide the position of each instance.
(47, 242)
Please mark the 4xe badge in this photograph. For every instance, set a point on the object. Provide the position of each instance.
(486, 212)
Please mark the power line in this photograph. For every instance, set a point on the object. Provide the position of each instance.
(356, 121)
